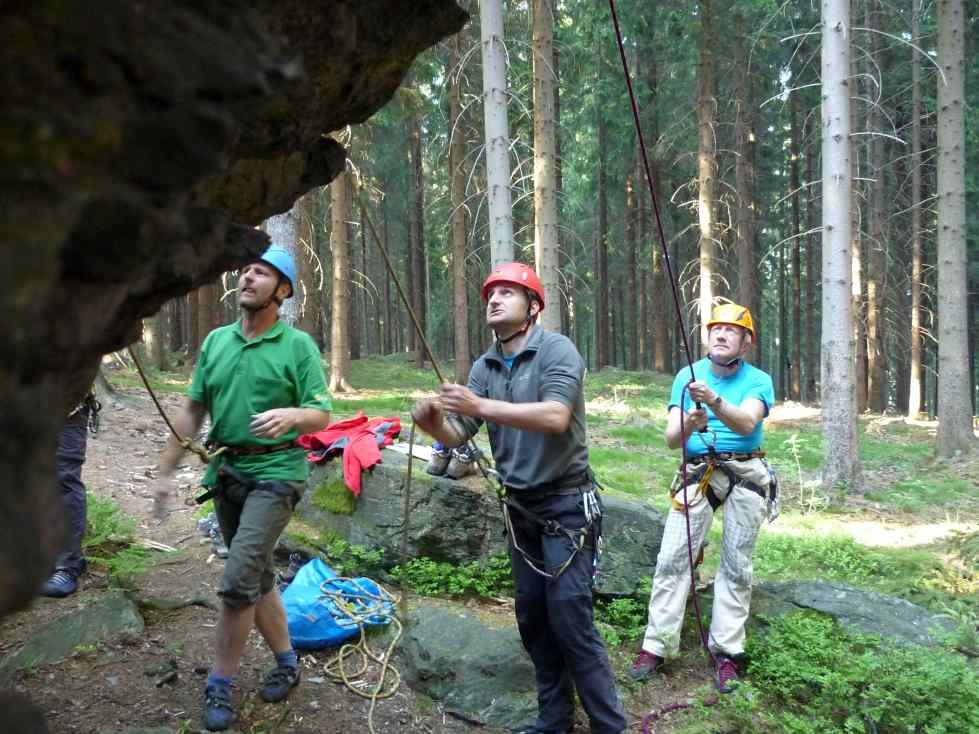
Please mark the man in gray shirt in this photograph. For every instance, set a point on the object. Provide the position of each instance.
(527, 388)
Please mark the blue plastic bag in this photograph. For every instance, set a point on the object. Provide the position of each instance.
(315, 621)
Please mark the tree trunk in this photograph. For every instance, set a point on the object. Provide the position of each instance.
(309, 291)
(795, 381)
(567, 294)
(340, 321)
(457, 175)
(744, 176)
(856, 248)
(416, 257)
(206, 306)
(812, 278)
(194, 337)
(706, 166)
(955, 431)
(601, 254)
(630, 334)
(841, 467)
(545, 182)
(281, 228)
(500, 207)
(876, 260)
(916, 382)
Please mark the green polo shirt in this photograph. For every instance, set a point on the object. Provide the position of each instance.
(236, 378)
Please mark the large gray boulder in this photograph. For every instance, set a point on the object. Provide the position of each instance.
(111, 615)
(891, 618)
(460, 521)
(471, 662)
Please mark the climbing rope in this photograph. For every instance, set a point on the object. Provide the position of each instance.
(202, 453)
(686, 344)
(357, 608)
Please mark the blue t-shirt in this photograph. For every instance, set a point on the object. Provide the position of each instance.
(747, 382)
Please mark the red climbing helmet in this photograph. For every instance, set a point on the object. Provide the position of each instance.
(518, 274)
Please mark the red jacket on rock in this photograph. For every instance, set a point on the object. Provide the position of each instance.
(359, 439)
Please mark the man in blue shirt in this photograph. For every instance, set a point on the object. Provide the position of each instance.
(717, 418)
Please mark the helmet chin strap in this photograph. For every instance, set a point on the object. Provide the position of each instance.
(720, 363)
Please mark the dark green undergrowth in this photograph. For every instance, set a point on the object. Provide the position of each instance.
(808, 675)
(109, 542)
(437, 578)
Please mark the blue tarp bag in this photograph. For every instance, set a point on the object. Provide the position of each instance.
(316, 621)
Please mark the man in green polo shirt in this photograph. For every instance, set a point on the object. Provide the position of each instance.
(262, 384)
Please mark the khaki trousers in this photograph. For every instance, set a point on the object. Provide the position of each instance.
(744, 510)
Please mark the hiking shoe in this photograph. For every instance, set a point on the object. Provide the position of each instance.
(645, 664)
(726, 674)
(218, 713)
(61, 584)
(462, 463)
(217, 543)
(439, 461)
(279, 681)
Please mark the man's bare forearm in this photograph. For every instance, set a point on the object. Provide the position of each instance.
(187, 423)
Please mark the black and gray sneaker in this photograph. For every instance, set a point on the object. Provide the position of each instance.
(439, 461)
(278, 682)
(462, 463)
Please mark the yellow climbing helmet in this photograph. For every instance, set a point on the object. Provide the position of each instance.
(732, 313)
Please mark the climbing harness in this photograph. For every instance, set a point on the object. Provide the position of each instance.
(357, 608)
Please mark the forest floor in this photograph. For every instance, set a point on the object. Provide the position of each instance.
(912, 510)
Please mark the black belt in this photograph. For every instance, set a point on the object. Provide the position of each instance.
(569, 482)
(725, 456)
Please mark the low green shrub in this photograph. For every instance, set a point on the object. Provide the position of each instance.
(808, 675)
(438, 578)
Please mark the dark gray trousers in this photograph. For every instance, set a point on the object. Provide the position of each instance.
(72, 443)
(555, 619)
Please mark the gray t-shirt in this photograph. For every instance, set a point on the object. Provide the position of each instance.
(548, 369)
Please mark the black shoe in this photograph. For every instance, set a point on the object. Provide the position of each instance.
(61, 584)
(279, 681)
(218, 713)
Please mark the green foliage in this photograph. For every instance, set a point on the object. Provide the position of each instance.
(436, 578)
(109, 542)
(810, 675)
(620, 620)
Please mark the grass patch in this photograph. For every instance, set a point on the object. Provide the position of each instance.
(435, 578)
(109, 542)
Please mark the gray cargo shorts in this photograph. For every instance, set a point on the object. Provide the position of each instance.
(251, 520)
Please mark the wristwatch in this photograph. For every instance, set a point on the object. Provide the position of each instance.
(716, 402)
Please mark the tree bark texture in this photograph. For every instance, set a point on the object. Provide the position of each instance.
(546, 240)
(841, 467)
(500, 206)
(340, 317)
(916, 383)
(457, 175)
(706, 166)
(795, 374)
(955, 431)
